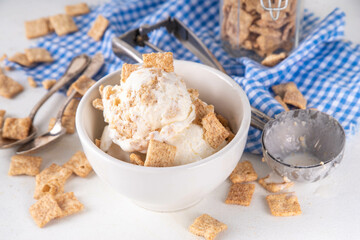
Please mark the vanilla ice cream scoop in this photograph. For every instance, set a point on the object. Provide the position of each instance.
(150, 104)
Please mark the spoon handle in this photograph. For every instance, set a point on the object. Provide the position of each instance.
(77, 65)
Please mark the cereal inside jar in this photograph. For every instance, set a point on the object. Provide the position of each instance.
(259, 28)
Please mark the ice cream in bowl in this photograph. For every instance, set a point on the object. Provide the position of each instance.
(164, 133)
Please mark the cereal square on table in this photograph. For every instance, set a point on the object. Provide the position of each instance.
(279, 99)
(48, 83)
(82, 84)
(16, 128)
(69, 204)
(63, 24)
(283, 205)
(296, 99)
(38, 55)
(21, 58)
(207, 227)
(37, 28)
(2, 114)
(27, 165)
(274, 186)
(160, 154)
(241, 194)
(159, 60)
(32, 82)
(68, 122)
(52, 179)
(44, 210)
(126, 70)
(98, 28)
(77, 9)
(79, 164)
(70, 109)
(243, 172)
(136, 159)
(9, 88)
(281, 89)
(214, 132)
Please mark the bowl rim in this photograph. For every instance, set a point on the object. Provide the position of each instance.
(241, 133)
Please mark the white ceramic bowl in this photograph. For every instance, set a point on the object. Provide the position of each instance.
(171, 188)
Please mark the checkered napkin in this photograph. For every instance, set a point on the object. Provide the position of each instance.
(325, 69)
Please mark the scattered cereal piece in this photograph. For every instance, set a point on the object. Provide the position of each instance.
(77, 9)
(51, 180)
(63, 24)
(240, 193)
(194, 94)
(70, 109)
(48, 83)
(97, 104)
(136, 159)
(97, 142)
(44, 210)
(9, 88)
(79, 164)
(21, 58)
(16, 128)
(69, 123)
(159, 154)
(278, 98)
(50, 26)
(201, 110)
(82, 84)
(273, 59)
(36, 28)
(214, 132)
(243, 172)
(274, 186)
(126, 70)
(38, 55)
(207, 227)
(283, 204)
(281, 89)
(2, 114)
(32, 82)
(296, 99)
(69, 204)
(27, 165)
(98, 28)
(159, 60)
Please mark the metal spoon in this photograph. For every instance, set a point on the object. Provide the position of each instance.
(58, 130)
(77, 65)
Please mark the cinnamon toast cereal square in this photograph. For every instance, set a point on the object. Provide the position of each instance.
(194, 94)
(27, 165)
(126, 70)
(79, 164)
(63, 24)
(295, 98)
(32, 82)
(69, 204)
(201, 110)
(240, 194)
(16, 128)
(82, 84)
(136, 159)
(243, 172)
(36, 28)
(278, 98)
(2, 114)
(207, 227)
(77, 9)
(163, 61)
(48, 83)
(21, 58)
(98, 104)
(38, 55)
(51, 180)
(98, 28)
(283, 204)
(69, 123)
(160, 154)
(214, 132)
(9, 88)
(274, 186)
(44, 210)
(70, 109)
(281, 89)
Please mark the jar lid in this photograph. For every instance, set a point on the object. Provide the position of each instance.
(274, 11)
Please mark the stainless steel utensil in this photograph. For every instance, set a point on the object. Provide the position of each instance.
(58, 130)
(76, 66)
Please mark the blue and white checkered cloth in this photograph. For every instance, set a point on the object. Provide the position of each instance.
(325, 68)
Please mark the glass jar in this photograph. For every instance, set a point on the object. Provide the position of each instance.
(258, 28)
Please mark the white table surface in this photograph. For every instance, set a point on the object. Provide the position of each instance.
(330, 207)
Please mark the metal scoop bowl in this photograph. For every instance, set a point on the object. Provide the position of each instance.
(302, 145)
